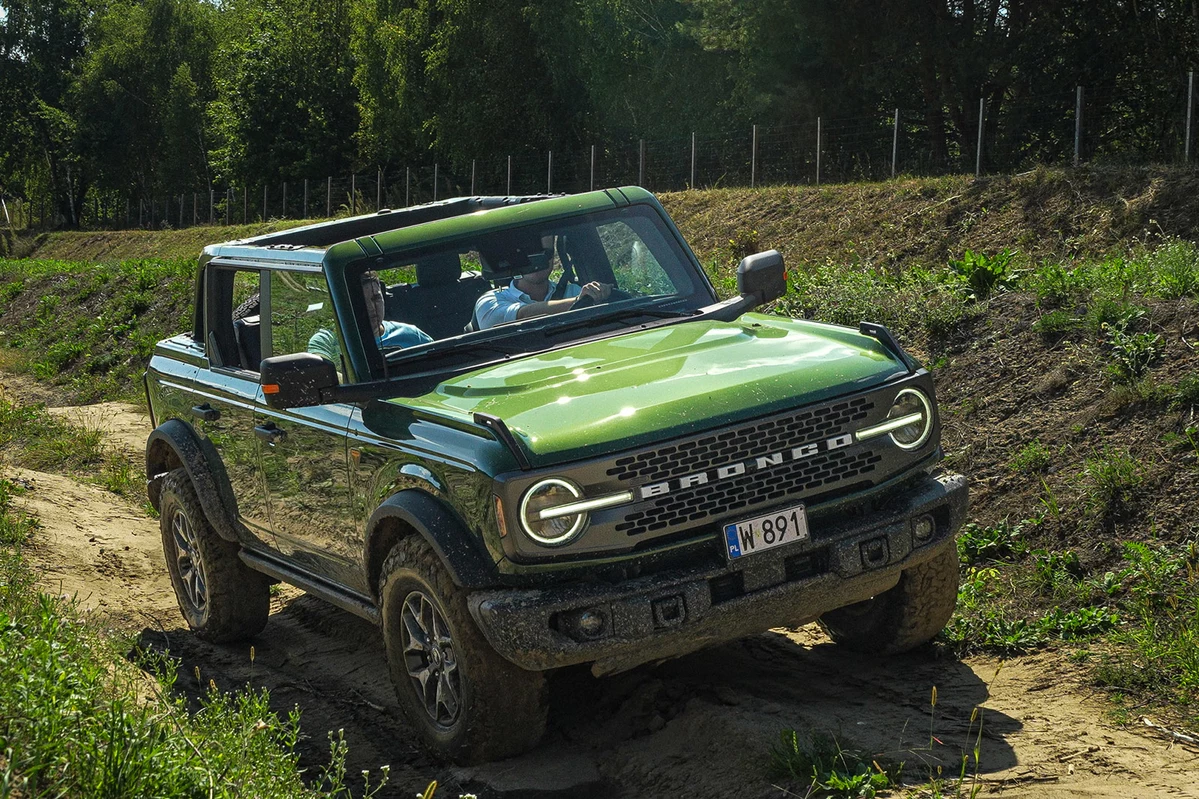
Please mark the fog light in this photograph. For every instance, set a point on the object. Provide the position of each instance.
(585, 625)
(923, 528)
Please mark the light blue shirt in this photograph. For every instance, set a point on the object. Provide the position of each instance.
(501, 305)
(395, 334)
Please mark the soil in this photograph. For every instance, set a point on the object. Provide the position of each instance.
(700, 726)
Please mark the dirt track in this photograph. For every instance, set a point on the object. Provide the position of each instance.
(697, 727)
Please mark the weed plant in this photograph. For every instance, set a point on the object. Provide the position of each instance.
(825, 767)
(33, 438)
(92, 327)
(1111, 481)
(78, 720)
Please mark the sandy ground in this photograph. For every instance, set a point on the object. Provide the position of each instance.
(698, 727)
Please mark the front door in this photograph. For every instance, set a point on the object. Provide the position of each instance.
(304, 449)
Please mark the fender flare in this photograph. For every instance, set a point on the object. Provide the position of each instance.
(173, 444)
(458, 550)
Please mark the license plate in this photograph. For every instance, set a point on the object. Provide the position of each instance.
(766, 532)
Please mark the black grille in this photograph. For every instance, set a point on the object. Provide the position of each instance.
(828, 469)
(760, 438)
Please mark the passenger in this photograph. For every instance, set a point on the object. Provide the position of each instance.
(388, 334)
(530, 295)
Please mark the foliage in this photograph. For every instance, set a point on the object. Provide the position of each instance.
(1111, 482)
(1132, 353)
(1032, 457)
(35, 439)
(826, 768)
(978, 543)
(75, 718)
(93, 327)
(982, 275)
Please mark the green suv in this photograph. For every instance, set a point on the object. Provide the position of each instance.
(521, 433)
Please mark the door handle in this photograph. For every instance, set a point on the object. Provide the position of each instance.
(269, 433)
(206, 412)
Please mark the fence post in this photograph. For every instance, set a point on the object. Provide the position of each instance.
(692, 159)
(592, 168)
(895, 144)
(228, 206)
(434, 182)
(641, 163)
(407, 186)
(753, 159)
(379, 189)
(195, 209)
(140, 205)
(1077, 125)
(304, 214)
(353, 195)
(978, 150)
(264, 202)
(284, 214)
(549, 173)
(1190, 108)
(127, 213)
(509, 176)
(472, 176)
(211, 217)
(328, 196)
(245, 204)
(818, 146)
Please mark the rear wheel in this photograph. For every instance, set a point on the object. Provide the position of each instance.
(904, 617)
(221, 598)
(467, 702)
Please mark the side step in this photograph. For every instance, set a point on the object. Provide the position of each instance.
(338, 597)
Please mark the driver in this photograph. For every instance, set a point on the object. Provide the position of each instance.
(529, 295)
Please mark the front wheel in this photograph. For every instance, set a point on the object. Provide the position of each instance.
(467, 702)
(221, 598)
(901, 618)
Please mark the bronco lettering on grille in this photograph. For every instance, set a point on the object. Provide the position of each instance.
(743, 467)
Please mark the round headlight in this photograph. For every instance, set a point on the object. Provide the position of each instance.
(544, 496)
(911, 404)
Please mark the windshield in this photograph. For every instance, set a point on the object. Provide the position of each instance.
(612, 267)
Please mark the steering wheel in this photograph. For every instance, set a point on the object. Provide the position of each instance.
(582, 301)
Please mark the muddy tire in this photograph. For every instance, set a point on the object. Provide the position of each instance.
(904, 617)
(467, 702)
(221, 598)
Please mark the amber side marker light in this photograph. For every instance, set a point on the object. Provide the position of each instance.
(499, 516)
(270, 388)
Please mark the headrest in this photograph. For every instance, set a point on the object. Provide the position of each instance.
(439, 269)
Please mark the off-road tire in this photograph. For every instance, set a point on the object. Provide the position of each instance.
(502, 708)
(237, 599)
(904, 617)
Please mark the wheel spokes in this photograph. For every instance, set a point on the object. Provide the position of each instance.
(189, 562)
(428, 650)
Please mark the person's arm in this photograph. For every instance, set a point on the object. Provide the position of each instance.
(595, 289)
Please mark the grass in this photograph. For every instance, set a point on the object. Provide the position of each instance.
(823, 766)
(77, 719)
(91, 328)
(33, 438)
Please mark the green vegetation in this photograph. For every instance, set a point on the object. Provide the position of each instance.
(824, 767)
(32, 437)
(91, 327)
(78, 720)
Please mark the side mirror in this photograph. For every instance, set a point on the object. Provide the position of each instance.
(299, 380)
(762, 276)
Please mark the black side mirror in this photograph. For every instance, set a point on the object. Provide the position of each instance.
(299, 380)
(762, 276)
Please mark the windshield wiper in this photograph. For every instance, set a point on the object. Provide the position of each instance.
(617, 315)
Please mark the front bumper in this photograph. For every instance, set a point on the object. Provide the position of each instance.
(667, 615)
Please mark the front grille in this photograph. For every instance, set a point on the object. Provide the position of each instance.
(788, 479)
(749, 441)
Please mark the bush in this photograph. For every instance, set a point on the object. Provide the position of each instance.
(982, 275)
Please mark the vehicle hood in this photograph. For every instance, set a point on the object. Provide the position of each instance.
(650, 385)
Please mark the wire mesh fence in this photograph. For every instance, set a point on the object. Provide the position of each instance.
(1097, 125)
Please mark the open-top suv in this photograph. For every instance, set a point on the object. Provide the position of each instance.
(612, 484)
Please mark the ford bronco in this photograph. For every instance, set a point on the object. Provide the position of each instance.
(613, 484)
